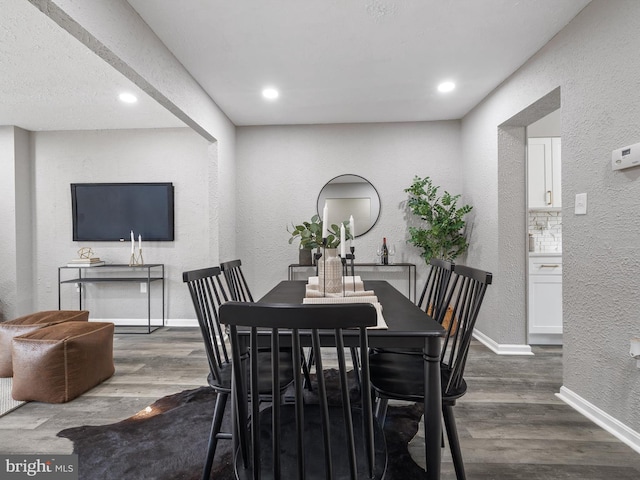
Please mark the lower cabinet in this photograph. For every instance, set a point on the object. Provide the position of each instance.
(545, 300)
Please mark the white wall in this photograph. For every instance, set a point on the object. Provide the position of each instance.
(282, 169)
(167, 155)
(594, 61)
(115, 32)
(16, 250)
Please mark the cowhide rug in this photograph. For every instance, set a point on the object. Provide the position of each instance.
(168, 440)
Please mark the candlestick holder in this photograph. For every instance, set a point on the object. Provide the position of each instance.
(316, 257)
(136, 260)
(345, 268)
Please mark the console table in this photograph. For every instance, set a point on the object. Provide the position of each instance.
(116, 273)
(409, 267)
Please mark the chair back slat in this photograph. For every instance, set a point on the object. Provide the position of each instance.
(432, 298)
(208, 294)
(236, 281)
(279, 327)
(465, 295)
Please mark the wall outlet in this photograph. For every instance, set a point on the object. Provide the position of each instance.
(143, 287)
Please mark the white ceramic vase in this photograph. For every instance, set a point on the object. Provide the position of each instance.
(330, 271)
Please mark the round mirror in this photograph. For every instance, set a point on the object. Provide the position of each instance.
(347, 195)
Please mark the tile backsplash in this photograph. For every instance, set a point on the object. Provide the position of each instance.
(546, 228)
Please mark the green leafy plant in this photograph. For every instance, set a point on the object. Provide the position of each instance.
(310, 233)
(443, 237)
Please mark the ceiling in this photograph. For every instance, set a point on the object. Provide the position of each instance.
(333, 61)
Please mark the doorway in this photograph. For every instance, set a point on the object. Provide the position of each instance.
(544, 224)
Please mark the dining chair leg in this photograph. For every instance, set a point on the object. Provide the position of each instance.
(216, 424)
(454, 441)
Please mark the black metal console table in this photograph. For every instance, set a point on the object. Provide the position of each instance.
(105, 274)
(410, 267)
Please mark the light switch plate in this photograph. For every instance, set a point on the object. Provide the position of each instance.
(581, 204)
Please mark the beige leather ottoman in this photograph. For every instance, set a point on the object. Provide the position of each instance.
(56, 364)
(29, 323)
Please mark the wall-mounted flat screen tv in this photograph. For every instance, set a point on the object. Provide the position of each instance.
(109, 211)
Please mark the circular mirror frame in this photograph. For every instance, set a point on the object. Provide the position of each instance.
(374, 205)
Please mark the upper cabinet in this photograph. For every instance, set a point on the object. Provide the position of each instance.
(543, 166)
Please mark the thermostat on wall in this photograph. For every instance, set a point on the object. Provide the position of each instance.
(625, 157)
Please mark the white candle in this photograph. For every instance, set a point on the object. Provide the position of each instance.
(139, 242)
(352, 228)
(325, 221)
(132, 242)
(343, 240)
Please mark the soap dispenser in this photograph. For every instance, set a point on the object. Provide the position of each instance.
(532, 243)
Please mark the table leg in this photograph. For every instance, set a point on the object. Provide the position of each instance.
(433, 407)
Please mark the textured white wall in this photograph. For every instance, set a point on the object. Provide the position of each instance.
(169, 155)
(8, 274)
(594, 61)
(282, 169)
(114, 31)
(16, 245)
(24, 227)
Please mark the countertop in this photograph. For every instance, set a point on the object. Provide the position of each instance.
(545, 254)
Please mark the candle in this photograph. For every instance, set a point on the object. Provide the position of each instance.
(132, 243)
(325, 221)
(343, 240)
(139, 242)
(352, 228)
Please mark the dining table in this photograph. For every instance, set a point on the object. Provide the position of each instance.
(407, 326)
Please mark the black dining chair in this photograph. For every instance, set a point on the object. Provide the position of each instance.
(208, 294)
(400, 374)
(240, 292)
(236, 281)
(308, 438)
(431, 301)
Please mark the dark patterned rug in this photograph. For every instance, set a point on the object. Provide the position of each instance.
(168, 440)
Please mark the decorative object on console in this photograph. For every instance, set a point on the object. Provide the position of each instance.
(85, 259)
(310, 236)
(444, 236)
(136, 261)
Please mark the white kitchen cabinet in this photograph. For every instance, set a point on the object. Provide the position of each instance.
(545, 300)
(544, 171)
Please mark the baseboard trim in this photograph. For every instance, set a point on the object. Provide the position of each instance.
(182, 322)
(502, 349)
(601, 418)
(155, 322)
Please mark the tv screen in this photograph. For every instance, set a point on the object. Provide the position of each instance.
(109, 211)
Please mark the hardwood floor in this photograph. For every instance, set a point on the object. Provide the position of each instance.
(511, 424)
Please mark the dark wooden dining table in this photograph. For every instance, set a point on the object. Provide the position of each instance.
(407, 327)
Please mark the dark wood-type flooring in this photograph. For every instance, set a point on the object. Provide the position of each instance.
(511, 424)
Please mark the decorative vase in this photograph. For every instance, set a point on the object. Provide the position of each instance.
(304, 256)
(330, 271)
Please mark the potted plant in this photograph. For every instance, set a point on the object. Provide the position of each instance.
(443, 236)
(310, 235)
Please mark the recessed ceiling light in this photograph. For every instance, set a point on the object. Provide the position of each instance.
(128, 98)
(446, 87)
(270, 93)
